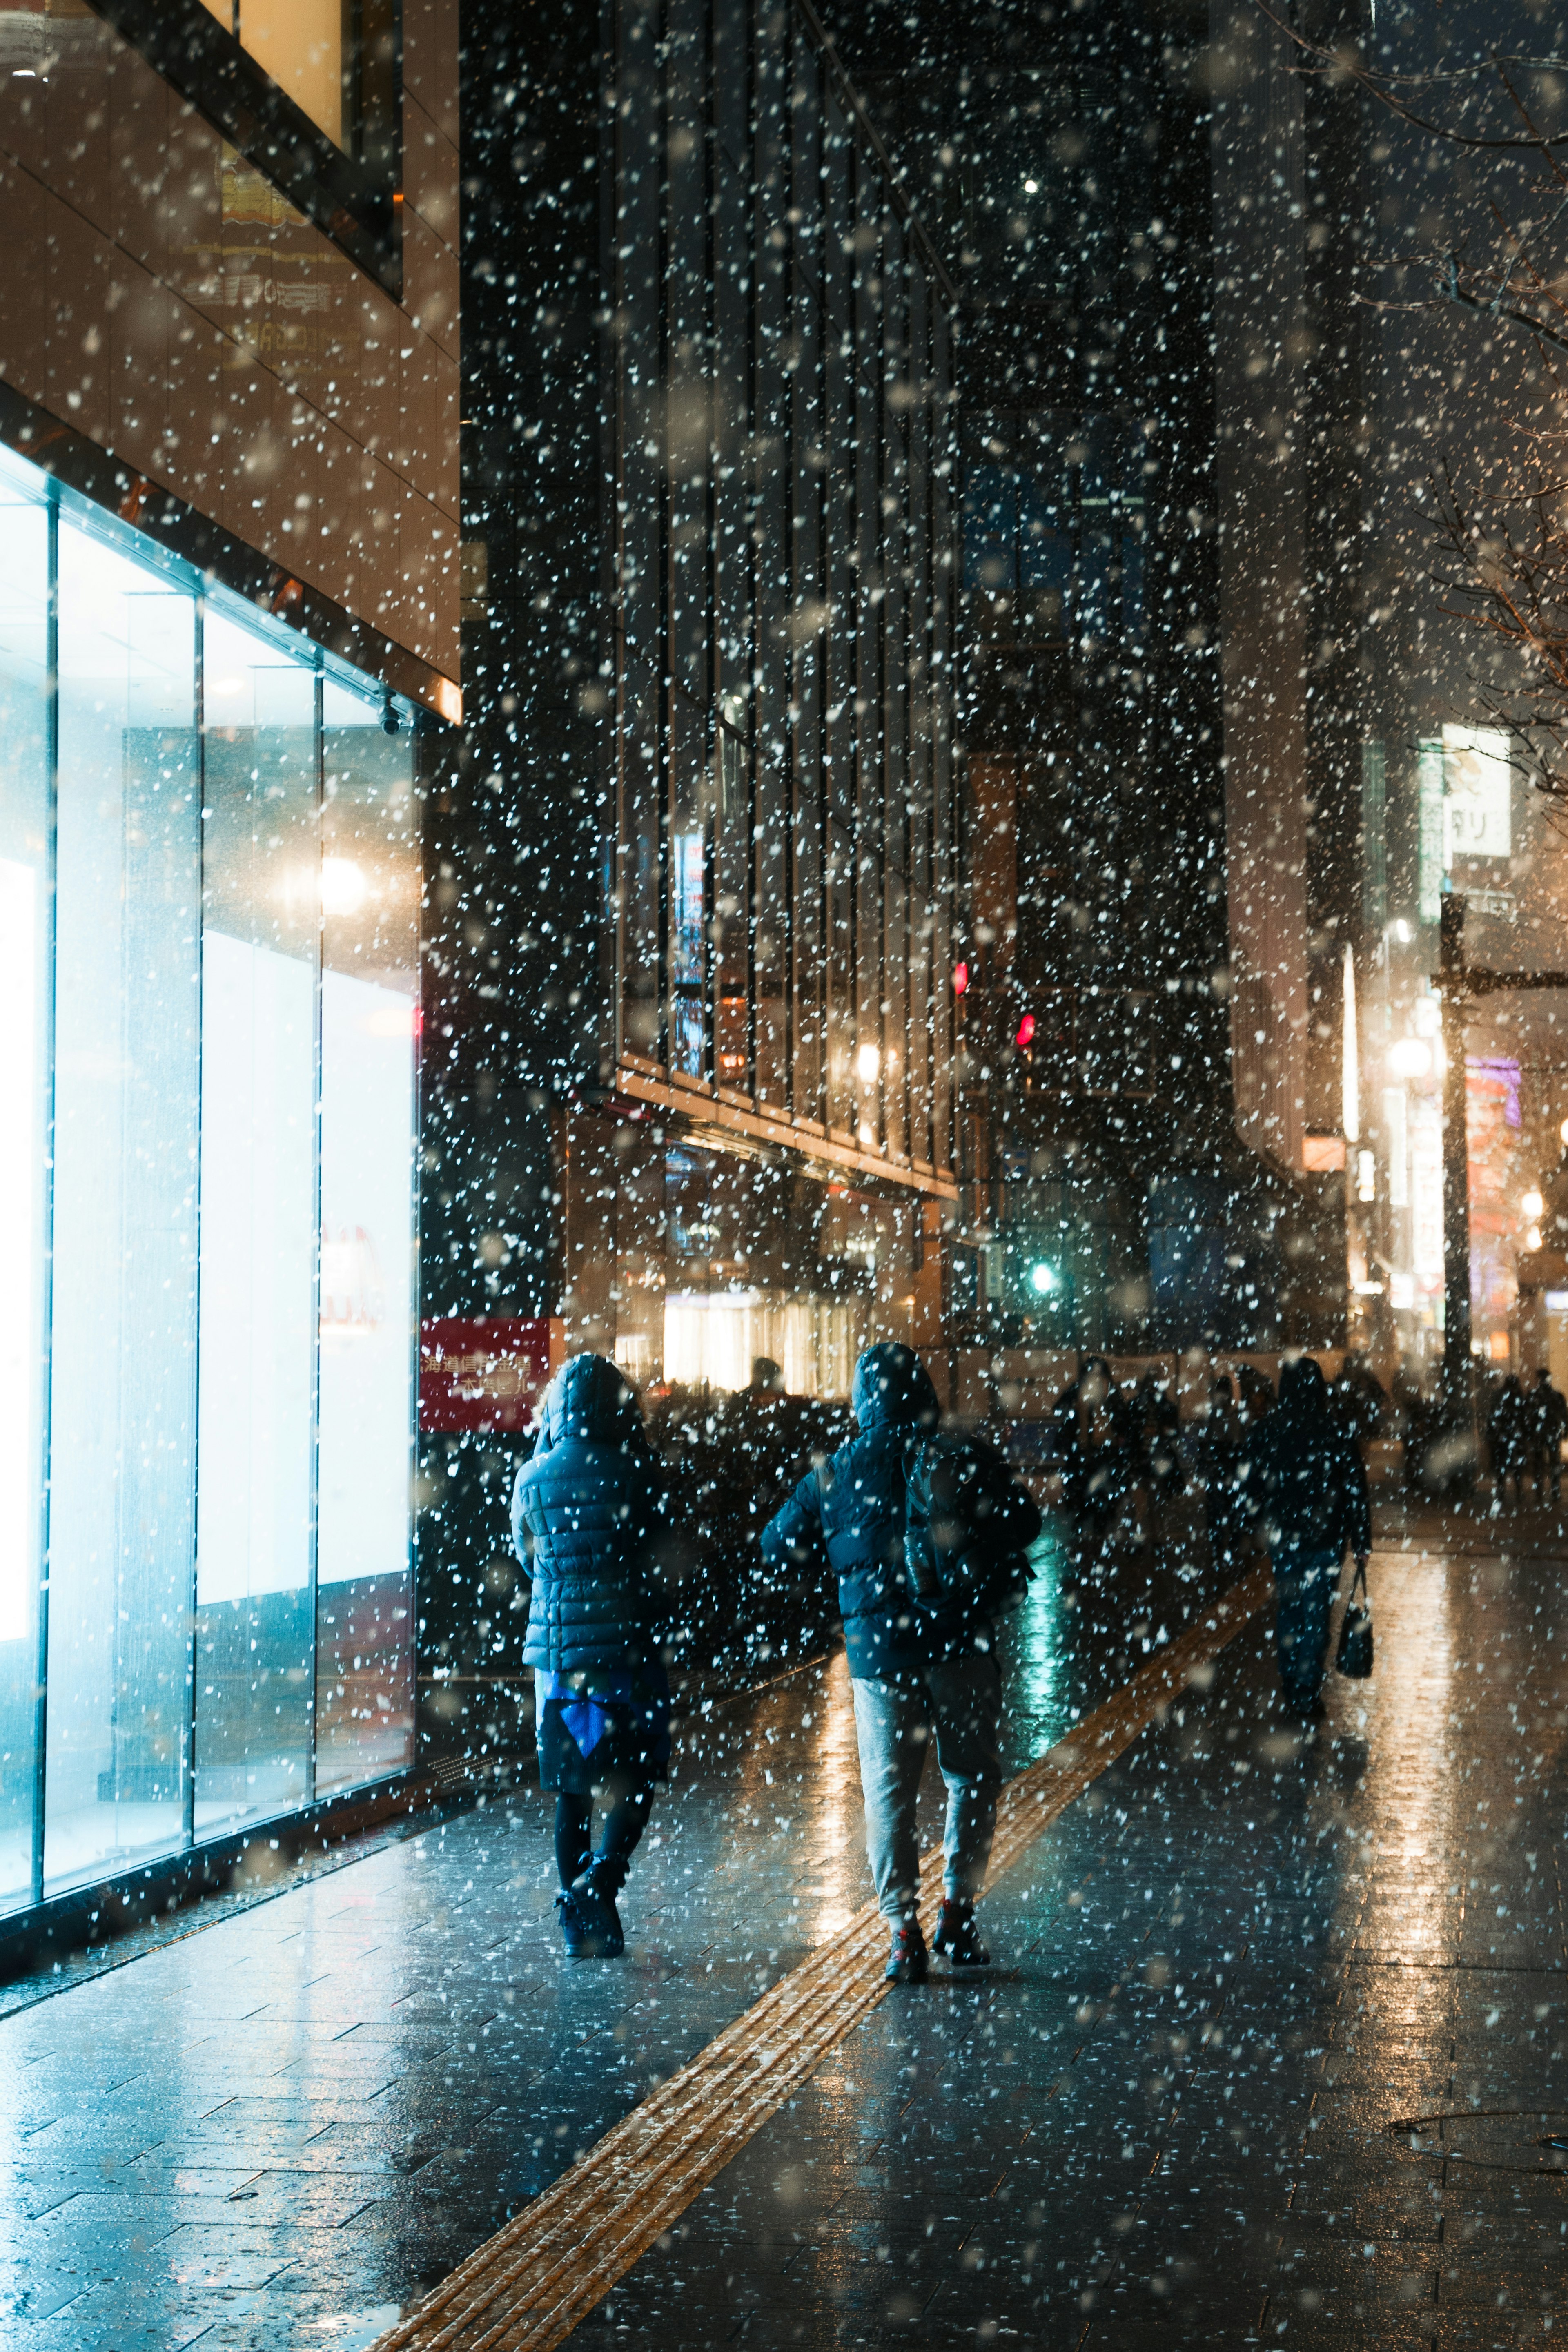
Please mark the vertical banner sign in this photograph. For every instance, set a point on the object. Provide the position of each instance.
(1430, 844)
(1426, 1193)
(1373, 839)
(1477, 793)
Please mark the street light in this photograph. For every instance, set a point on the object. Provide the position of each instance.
(1409, 1058)
(1531, 1205)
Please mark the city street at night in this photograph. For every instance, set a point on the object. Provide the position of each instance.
(784, 1191)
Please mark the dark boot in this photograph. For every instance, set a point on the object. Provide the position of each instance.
(606, 1876)
(590, 1923)
(906, 1960)
(957, 1936)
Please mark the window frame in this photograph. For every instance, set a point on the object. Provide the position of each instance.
(352, 193)
(61, 502)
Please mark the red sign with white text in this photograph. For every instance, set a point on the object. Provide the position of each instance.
(481, 1371)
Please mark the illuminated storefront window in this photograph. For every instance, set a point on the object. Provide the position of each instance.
(209, 900)
(713, 1339)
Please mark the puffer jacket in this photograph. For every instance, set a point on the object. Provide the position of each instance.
(854, 1508)
(589, 1509)
(1302, 1476)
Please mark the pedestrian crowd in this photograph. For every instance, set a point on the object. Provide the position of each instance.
(925, 1532)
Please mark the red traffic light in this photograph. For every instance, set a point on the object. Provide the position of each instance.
(1025, 1032)
(960, 980)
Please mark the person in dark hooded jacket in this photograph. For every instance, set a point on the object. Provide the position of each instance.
(1304, 1479)
(916, 1670)
(589, 1511)
(1093, 1449)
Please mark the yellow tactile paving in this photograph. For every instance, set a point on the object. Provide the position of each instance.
(526, 2288)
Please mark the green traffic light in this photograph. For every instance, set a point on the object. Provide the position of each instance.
(1043, 1277)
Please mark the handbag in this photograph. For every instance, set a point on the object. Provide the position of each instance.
(1353, 1656)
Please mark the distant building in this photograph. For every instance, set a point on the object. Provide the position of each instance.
(228, 657)
(1120, 1192)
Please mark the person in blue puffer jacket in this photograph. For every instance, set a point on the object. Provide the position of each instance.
(914, 1672)
(591, 1509)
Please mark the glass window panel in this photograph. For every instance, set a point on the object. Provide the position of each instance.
(124, 1255)
(732, 831)
(301, 44)
(24, 988)
(254, 1531)
(688, 949)
(369, 930)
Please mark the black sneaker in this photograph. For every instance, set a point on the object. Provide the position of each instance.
(590, 1924)
(957, 1936)
(906, 1960)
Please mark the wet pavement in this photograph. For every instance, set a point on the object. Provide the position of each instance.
(1276, 2038)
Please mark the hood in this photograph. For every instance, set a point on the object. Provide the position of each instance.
(590, 1398)
(893, 1386)
(1304, 1394)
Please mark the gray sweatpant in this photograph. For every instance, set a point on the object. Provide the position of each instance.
(959, 1703)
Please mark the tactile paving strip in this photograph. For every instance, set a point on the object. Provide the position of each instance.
(526, 2288)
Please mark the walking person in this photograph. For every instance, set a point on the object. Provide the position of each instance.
(1254, 1397)
(1216, 1459)
(1550, 1408)
(590, 1509)
(1155, 1427)
(920, 1651)
(1092, 1449)
(1309, 1487)
(1414, 1421)
(1508, 1434)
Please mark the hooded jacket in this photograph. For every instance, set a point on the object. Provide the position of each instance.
(854, 1507)
(1304, 1475)
(1094, 1481)
(587, 1509)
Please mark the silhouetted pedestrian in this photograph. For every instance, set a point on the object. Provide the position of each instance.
(1358, 1399)
(1309, 1486)
(1414, 1421)
(1509, 1435)
(1093, 1452)
(1213, 1447)
(920, 1667)
(1254, 1397)
(589, 1510)
(1155, 1426)
(1550, 1412)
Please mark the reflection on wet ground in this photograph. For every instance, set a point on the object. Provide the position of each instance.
(1228, 2086)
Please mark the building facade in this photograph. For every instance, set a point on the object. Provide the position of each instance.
(698, 1092)
(1064, 159)
(228, 657)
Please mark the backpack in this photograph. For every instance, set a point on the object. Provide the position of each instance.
(968, 1526)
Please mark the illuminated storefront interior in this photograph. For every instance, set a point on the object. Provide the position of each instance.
(713, 1339)
(209, 929)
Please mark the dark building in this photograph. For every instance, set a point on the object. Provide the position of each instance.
(1065, 160)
